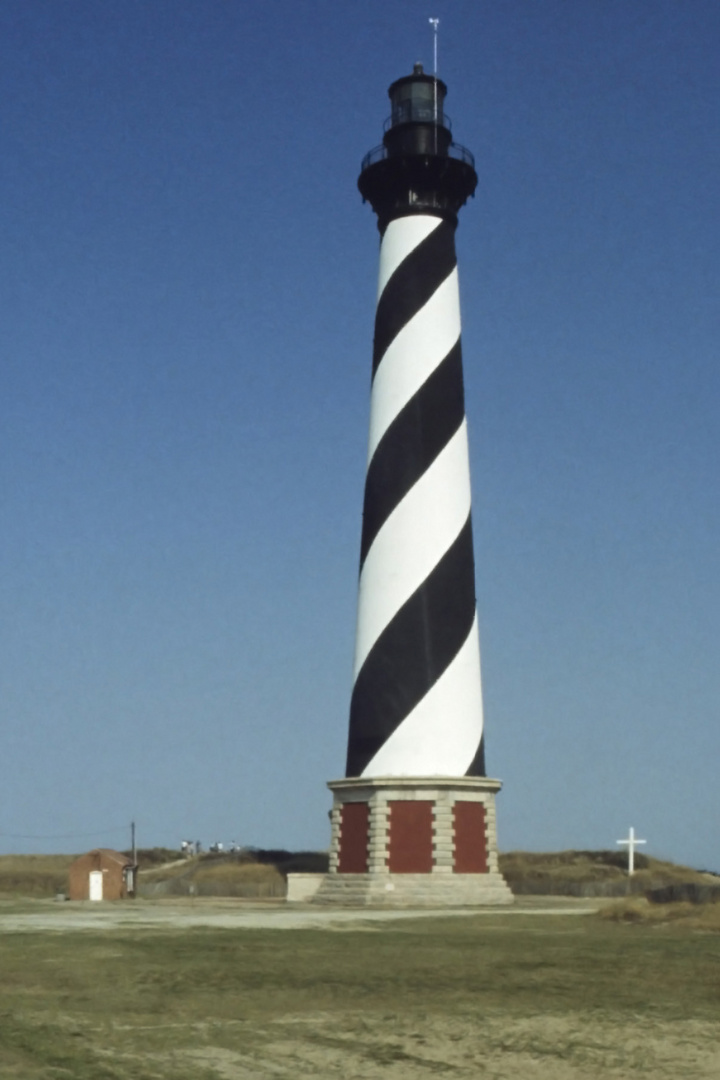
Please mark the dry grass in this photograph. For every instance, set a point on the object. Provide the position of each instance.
(237, 872)
(34, 875)
(239, 879)
(261, 873)
(637, 909)
(40, 876)
(43, 864)
(589, 873)
(151, 857)
(47, 875)
(210, 875)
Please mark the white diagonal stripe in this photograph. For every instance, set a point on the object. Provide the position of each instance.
(413, 355)
(401, 237)
(412, 541)
(441, 735)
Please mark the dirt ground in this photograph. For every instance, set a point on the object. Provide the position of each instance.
(236, 914)
(364, 1047)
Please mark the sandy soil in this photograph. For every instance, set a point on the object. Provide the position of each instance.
(237, 914)
(365, 1047)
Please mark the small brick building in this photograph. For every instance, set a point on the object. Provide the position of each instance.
(102, 874)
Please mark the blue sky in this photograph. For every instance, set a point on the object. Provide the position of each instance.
(187, 284)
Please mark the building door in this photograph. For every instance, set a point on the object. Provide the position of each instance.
(96, 885)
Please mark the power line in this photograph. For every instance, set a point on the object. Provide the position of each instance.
(62, 836)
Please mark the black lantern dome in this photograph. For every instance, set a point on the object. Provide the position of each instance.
(417, 169)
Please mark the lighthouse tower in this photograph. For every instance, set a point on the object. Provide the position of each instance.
(413, 821)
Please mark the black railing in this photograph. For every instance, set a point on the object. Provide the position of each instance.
(455, 150)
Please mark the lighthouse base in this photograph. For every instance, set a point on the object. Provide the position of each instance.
(413, 842)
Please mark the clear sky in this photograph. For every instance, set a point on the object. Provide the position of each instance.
(187, 291)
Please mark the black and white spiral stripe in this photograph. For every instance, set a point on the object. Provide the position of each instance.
(416, 705)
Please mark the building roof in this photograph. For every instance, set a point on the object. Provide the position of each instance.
(109, 854)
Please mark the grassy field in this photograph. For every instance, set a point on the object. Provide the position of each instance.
(499, 995)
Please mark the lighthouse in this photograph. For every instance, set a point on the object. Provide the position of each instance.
(413, 820)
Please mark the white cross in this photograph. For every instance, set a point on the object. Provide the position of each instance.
(632, 841)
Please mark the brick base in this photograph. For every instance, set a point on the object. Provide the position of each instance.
(430, 842)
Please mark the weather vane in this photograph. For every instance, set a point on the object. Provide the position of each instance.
(434, 23)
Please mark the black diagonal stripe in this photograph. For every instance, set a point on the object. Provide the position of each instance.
(412, 284)
(412, 442)
(412, 652)
(477, 765)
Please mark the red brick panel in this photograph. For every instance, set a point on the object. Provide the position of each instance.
(470, 843)
(353, 849)
(411, 837)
